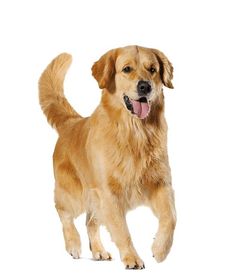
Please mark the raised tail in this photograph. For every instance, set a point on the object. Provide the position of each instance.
(51, 93)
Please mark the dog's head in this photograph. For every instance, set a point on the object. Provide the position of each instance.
(135, 76)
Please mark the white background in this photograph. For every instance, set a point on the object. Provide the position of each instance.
(198, 37)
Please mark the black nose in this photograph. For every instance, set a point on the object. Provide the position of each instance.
(143, 88)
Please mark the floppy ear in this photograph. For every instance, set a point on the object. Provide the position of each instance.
(166, 68)
(104, 71)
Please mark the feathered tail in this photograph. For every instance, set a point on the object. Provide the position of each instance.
(51, 96)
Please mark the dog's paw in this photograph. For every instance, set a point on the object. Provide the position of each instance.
(159, 255)
(74, 249)
(160, 249)
(98, 252)
(133, 262)
(102, 256)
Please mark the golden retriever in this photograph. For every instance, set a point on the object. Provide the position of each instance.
(116, 159)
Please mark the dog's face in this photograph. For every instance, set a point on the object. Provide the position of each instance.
(135, 76)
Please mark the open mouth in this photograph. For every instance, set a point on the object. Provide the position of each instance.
(140, 107)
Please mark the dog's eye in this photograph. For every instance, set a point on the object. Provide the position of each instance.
(152, 70)
(127, 69)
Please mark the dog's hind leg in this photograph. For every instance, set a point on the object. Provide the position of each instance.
(69, 205)
(98, 251)
(71, 235)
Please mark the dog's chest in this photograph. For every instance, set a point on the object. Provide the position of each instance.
(129, 165)
(132, 161)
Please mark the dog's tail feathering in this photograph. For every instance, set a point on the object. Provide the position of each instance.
(51, 96)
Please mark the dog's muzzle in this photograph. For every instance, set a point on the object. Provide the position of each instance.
(140, 107)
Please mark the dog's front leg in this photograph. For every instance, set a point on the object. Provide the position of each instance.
(115, 221)
(162, 204)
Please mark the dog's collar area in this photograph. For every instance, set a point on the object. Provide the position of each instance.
(140, 107)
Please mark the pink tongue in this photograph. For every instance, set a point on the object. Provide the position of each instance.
(141, 109)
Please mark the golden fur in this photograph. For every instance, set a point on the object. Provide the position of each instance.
(112, 161)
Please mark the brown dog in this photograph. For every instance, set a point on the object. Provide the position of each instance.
(116, 159)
